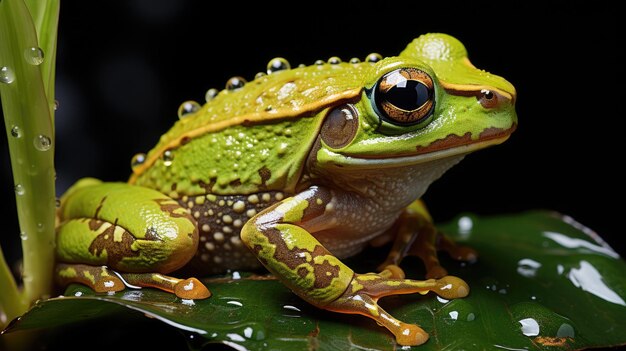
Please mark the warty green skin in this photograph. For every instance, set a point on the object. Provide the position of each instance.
(252, 177)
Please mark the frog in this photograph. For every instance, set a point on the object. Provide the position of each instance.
(292, 173)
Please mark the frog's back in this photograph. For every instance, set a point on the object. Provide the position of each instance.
(250, 138)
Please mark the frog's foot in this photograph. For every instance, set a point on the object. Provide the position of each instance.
(190, 288)
(362, 296)
(103, 279)
(417, 236)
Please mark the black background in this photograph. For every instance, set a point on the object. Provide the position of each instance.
(124, 67)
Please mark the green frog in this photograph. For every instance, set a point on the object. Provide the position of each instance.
(295, 171)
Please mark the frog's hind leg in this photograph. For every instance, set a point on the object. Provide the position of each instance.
(280, 239)
(125, 228)
(417, 236)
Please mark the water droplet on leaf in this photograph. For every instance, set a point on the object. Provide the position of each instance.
(319, 62)
(23, 236)
(259, 75)
(565, 331)
(6, 75)
(188, 107)
(34, 56)
(355, 60)
(42, 142)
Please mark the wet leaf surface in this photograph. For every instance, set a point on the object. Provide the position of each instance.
(542, 282)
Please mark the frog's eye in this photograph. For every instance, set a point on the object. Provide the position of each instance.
(405, 96)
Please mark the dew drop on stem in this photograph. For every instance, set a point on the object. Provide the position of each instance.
(42, 142)
(19, 189)
(6, 75)
(16, 132)
(34, 56)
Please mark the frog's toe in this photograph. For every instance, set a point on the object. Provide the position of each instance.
(108, 284)
(191, 288)
(410, 335)
(451, 287)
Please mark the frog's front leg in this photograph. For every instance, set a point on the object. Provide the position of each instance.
(279, 239)
(417, 236)
(115, 234)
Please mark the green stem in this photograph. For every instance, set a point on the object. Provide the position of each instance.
(10, 300)
(27, 104)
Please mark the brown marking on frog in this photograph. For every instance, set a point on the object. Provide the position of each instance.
(323, 272)
(236, 182)
(208, 187)
(170, 206)
(265, 175)
(184, 140)
(316, 204)
(448, 142)
(115, 250)
(95, 223)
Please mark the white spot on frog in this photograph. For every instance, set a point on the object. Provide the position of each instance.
(189, 286)
(285, 90)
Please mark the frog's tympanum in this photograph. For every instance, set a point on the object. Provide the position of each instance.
(294, 171)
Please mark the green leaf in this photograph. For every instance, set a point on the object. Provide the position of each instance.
(542, 282)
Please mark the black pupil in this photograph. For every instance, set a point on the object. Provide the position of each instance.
(409, 95)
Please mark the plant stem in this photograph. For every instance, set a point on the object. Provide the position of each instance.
(12, 304)
(27, 104)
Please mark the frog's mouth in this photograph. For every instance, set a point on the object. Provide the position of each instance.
(452, 145)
